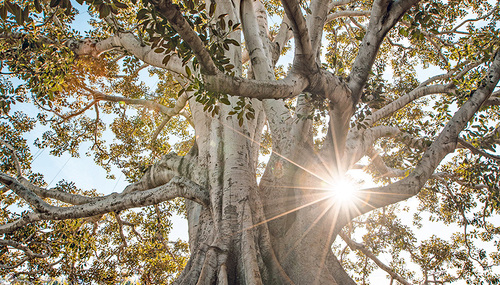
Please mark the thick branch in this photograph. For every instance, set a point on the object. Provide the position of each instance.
(338, 3)
(381, 167)
(99, 96)
(494, 100)
(399, 103)
(23, 192)
(259, 47)
(285, 33)
(172, 13)
(289, 87)
(384, 16)
(316, 22)
(299, 27)
(176, 187)
(53, 193)
(133, 45)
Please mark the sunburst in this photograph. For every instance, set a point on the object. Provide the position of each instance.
(343, 190)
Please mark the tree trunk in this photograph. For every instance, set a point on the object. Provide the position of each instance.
(240, 239)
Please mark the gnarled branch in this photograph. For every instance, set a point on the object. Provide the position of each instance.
(176, 187)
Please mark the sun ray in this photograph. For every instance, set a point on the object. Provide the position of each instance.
(328, 248)
(278, 154)
(308, 230)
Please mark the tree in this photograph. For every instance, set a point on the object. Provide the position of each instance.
(259, 146)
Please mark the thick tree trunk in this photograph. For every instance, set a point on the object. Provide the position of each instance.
(240, 239)
(232, 243)
(276, 232)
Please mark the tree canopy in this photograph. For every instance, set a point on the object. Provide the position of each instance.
(253, 119)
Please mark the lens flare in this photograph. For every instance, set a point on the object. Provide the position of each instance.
(343, 190)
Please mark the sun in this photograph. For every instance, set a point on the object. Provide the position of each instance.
(343, 190)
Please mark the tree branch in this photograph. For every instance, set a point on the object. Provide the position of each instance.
(285, 33)
(17, 165)
(53, 193)
(358, 246)
(176, 110)
(384, 16)
(494, 100)
(133, 45)
(316, 22)
(172, 13)
(452, 31)
(288, 87)
(299, 27)
(399, 103)
(381, 167)
(181, 102)
(450, 74)
(71, 115)
(338, 3)
(347, 13)
(176, 187)
(23, 192)
(475, 150)
(29, 253)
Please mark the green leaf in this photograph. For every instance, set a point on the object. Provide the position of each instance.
(250, 116)
(180, 92)
(3, 12)
(142, 14)
(225, 101)
(54, 3)
(211, 10)
(222, 24)
(166, 59)
(26, 13)
(232, 41)
(38, 7)
(104, 11)
(18, 13)
(189, 4)
(120, 5)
